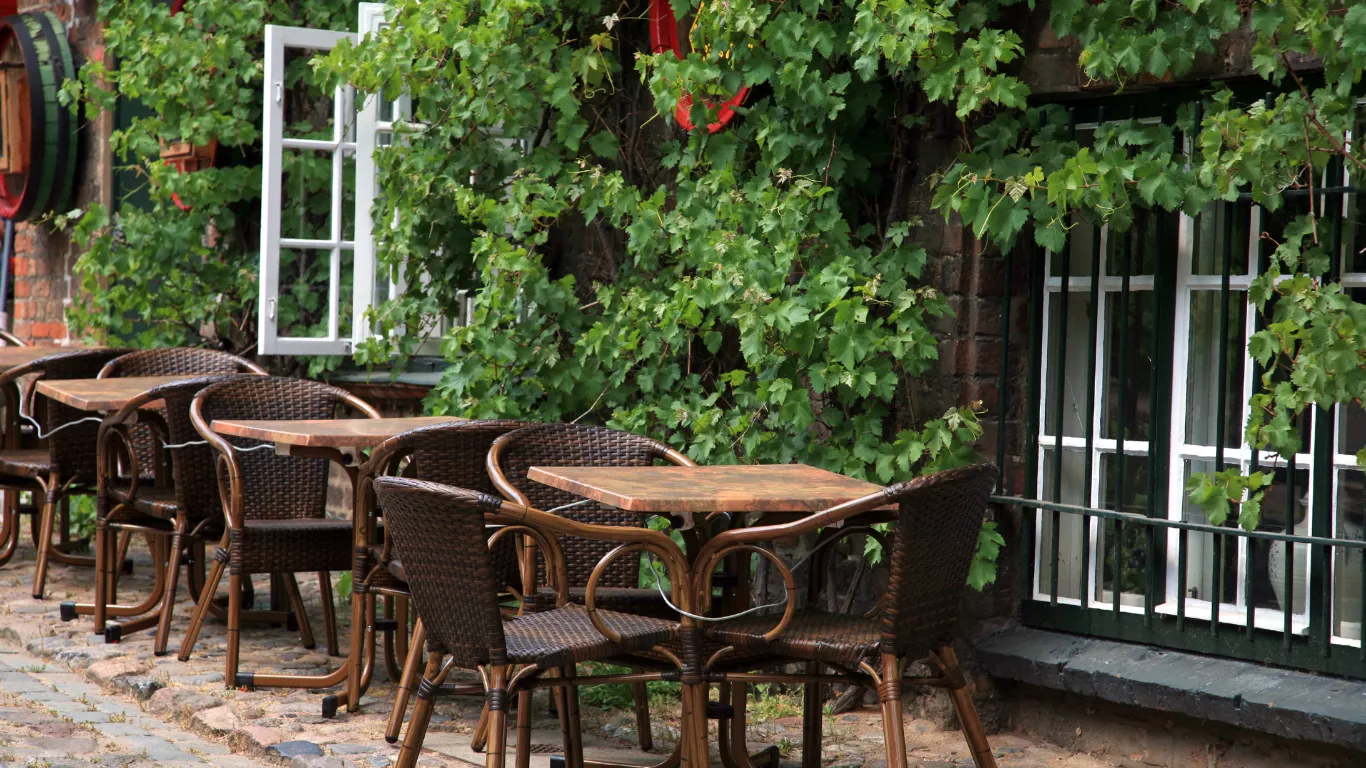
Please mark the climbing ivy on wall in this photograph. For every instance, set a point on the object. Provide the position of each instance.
(153, 272)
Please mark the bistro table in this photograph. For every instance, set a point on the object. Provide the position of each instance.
(768, 493)
(13, 357)
(326, 438)
(103, 394)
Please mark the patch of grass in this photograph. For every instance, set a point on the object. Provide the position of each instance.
(771, 704)
(618, 695)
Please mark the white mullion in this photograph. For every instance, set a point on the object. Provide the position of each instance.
(1093, 582)
(1176, 466)
(1043, 427)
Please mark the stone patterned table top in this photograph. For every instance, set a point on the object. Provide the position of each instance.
(743, 488)
(326, 433)
(102, 394)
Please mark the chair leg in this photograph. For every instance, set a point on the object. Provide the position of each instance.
(234, 629)
(172, 569)
(495, 755)
(411, 667)
(329, 613)
(812, 720)
(524, 706)
(574, 752)
(480, 738)
(125, 538)
(889, 696)
(973, 731)
(435, 675)
(44, 543)
(642, 698)
(101, 575)
(9, 531)
(201, 610)
(296, 602)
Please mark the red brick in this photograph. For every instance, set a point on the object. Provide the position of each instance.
(21, 289)
(23, 309)
(23, 329)
(42, 289)
(23, 267)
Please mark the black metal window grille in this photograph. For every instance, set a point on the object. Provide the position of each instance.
(1138, 376)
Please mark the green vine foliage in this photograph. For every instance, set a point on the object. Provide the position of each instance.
(157, 275)
(750, 295)
(1024, 174)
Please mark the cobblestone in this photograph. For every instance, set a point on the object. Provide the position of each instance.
(68, 699)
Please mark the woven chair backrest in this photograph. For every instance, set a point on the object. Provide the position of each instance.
(72, 448)
(172, 361)
(275, 487)
(936, 531)
(438, 532)
(570, 445)
(192, 466)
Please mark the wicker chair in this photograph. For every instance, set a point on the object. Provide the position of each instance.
(145, 431)
(439, 534)
(935, 536)
(171, 517)
(451, 454)
(570, 445)
(274, 506)
(64, 468)
(8, 339)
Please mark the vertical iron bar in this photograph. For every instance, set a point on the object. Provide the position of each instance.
(1032, 454)
(1182, 562)
(1089, 428)
(1003, 384)
(1126, 268)
(1060, 390)
(1289, 610)
(1118, 585)
(1219, 550)
(1319, 583)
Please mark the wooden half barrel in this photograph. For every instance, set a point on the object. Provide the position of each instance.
(38, 136)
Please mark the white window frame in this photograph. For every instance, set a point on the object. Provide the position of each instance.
(1181, 451)
(337, 341)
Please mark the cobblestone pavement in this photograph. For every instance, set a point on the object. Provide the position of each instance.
(68, 699)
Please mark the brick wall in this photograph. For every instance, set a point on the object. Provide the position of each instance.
(43, 257)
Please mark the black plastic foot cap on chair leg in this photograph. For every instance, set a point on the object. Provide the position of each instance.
(161, 653)
(68, 611)
(330, 706)
(128, 566)
(391, 739)
(245, 680)
(557, 761)
(112, 634)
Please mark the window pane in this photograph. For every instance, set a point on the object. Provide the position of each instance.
(1285, 509)
(1351, 428)
(1080, 240)
(1202, 380)
(308, 108)
(1347, 563)
(1070, 526)
(1221, 231)
(305, 292)
(1142, 244)
(1129, 359)
(1204, 550)
(306, 194)
(1354, 236)
(1072, 345)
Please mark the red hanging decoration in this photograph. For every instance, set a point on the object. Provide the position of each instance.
(664, 37)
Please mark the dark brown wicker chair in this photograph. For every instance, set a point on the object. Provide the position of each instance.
(274, 506)
(439, 534)
(571, 445)
(10, 340)
(145, 430)
(451, 454)
(65, 467)
(171, 514)
(935, 536)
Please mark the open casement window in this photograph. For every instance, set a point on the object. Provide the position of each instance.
(308, 211)
(320, 275)
(1139, 378)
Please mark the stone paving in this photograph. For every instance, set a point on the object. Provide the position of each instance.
(68, 699)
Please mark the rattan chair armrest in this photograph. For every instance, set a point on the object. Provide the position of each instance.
(230, 487)
(113, 444)
(809, 524)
